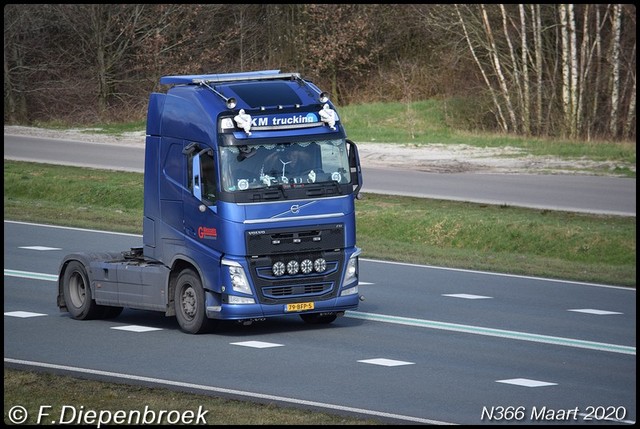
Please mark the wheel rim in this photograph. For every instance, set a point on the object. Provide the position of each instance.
(77, 290)
(188, 302)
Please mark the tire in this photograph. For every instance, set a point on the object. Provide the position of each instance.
(77, 293)
(318, 318)
(189, 302)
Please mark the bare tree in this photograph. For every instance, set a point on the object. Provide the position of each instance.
(339, 50)
(566, 68)
(524, 47)
(536, 25)
(628, 47)
(615, 69)
(539, 69)
(499, 114)
(497, 67)
(631, 111)
(104, 35)
(25, 58)
(15, 101)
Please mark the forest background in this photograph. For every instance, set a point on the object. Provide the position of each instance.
(557, 70)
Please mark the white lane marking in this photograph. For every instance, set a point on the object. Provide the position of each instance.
(386, 362)
(466, 296)
(136, 328)
(73, 228)
(594, 311)
(23, 314)
(526, 382)
(30, 275)
(489, 273)
(39, 248)
(257, 344)
(500, 333)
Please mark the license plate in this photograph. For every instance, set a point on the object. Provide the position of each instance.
(300, 306)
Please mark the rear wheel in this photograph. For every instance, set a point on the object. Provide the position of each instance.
(77, 293)
(319, 318)
(189, 301)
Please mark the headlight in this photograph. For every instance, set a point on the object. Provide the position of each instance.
(239, 282)
(351, 272)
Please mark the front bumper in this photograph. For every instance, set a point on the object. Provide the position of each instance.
(259, 311)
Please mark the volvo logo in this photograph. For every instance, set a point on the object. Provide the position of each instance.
(294, 209)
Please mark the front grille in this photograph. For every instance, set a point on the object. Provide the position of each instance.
(296, 290)
(293, 246)
(287, 240)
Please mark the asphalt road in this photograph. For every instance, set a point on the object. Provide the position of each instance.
(428, 345)
(576, 193)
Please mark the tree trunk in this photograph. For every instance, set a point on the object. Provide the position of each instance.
(493, 51)
(526, 102)
(566, 70)
(537, 41)
(573, 49)
(615, 69)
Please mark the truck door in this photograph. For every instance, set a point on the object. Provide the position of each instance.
(200, 211)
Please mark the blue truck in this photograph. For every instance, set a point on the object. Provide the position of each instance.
(250, 185)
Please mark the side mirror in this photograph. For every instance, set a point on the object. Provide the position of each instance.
(354, 167)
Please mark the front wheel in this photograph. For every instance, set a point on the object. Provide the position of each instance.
(189, 301)
(77, 292)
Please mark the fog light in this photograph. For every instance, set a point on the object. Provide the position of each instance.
(350, 291)
(278, 269)
(293, 267)
(240, 300)
(320, 265)
(306, 266)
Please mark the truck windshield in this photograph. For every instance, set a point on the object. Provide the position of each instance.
(296, 163)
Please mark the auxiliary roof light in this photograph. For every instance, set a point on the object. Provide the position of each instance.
(231, 103)
(324, 97)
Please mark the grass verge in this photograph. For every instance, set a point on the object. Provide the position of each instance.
(66, 395)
